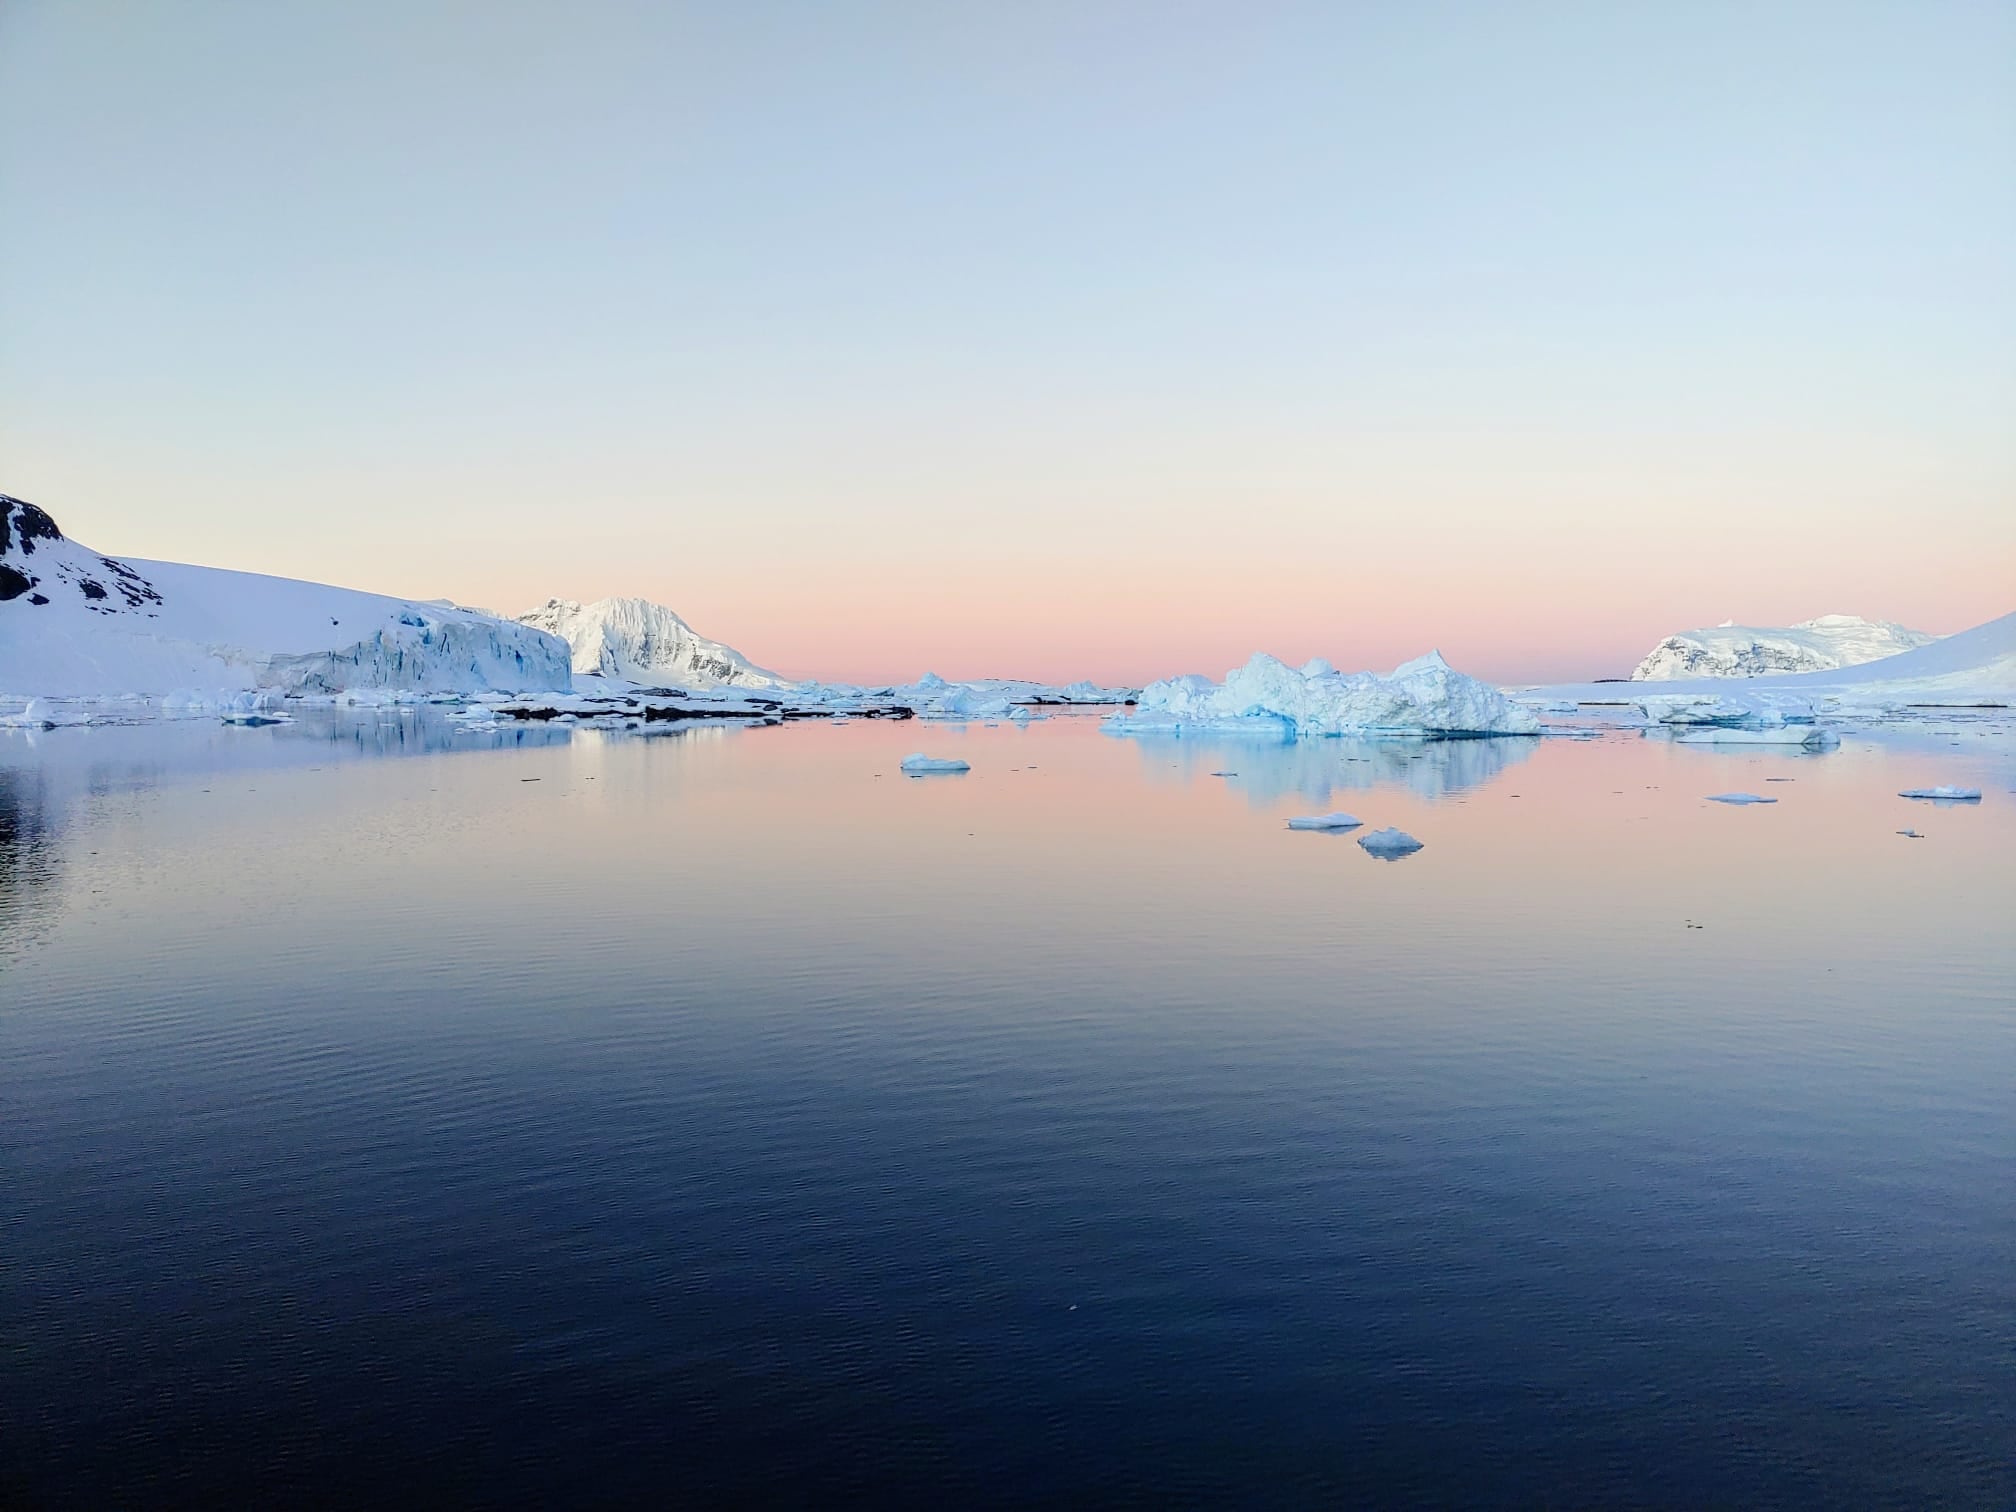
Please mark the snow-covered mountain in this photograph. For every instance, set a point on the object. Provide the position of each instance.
(1816, 645)
(1972, 667)
(642, 642)
(77, 624)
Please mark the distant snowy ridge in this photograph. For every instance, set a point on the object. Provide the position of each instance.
(1972, 667)
(77, 624)
(637, 641)
(1425, 697)
(1817, 645)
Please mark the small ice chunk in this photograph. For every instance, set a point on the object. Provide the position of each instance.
(1910, 834)
(1389, 844)
(1739, 798)
(1337, 821)
(917, 764)
(1812, 737)
(1943, 794)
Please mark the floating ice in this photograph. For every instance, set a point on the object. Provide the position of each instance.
(1389, 844)
(1944, 794)
(1741, 709)
(1739, 798)
(1910, 834)
(1425, 697)
(1337, 821)
(917, 764)
(1805, 736)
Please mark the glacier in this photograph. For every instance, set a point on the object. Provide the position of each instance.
(1423, 698)
(637, 641)
(1825, 644)
(76, 624)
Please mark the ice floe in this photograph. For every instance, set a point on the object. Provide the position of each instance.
(1739, 798)
(1944, 794)
(1389, 844)
(1337, 821)
(1806, 737)
(917, 764)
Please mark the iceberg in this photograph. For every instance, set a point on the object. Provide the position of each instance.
(1423, 698)
(1944, 794)
(1739, 798)
(917, 764)
(1389, 844)
(1337, 821)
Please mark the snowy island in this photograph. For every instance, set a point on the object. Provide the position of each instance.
(86, 637)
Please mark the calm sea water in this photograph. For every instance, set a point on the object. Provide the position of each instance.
(723, 1117)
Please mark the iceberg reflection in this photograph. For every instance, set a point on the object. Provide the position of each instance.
(1267, 769)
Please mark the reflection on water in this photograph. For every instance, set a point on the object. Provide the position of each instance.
(547, 1118)
(1267, 769)
(28, 855)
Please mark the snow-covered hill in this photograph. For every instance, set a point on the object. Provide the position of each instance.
(77, 624)
(641, 642)
(1974, 667)
(1815, 645)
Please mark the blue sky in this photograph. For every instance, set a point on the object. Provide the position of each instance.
(1021, 338)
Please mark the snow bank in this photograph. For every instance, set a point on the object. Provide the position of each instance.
(1425, 697)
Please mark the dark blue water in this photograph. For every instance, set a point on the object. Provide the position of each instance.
(725, 1118)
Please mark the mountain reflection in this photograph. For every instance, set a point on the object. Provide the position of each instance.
(28, 856)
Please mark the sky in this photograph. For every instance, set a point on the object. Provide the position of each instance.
(1051, 340)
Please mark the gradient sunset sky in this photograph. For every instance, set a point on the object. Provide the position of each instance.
(1052, 340)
